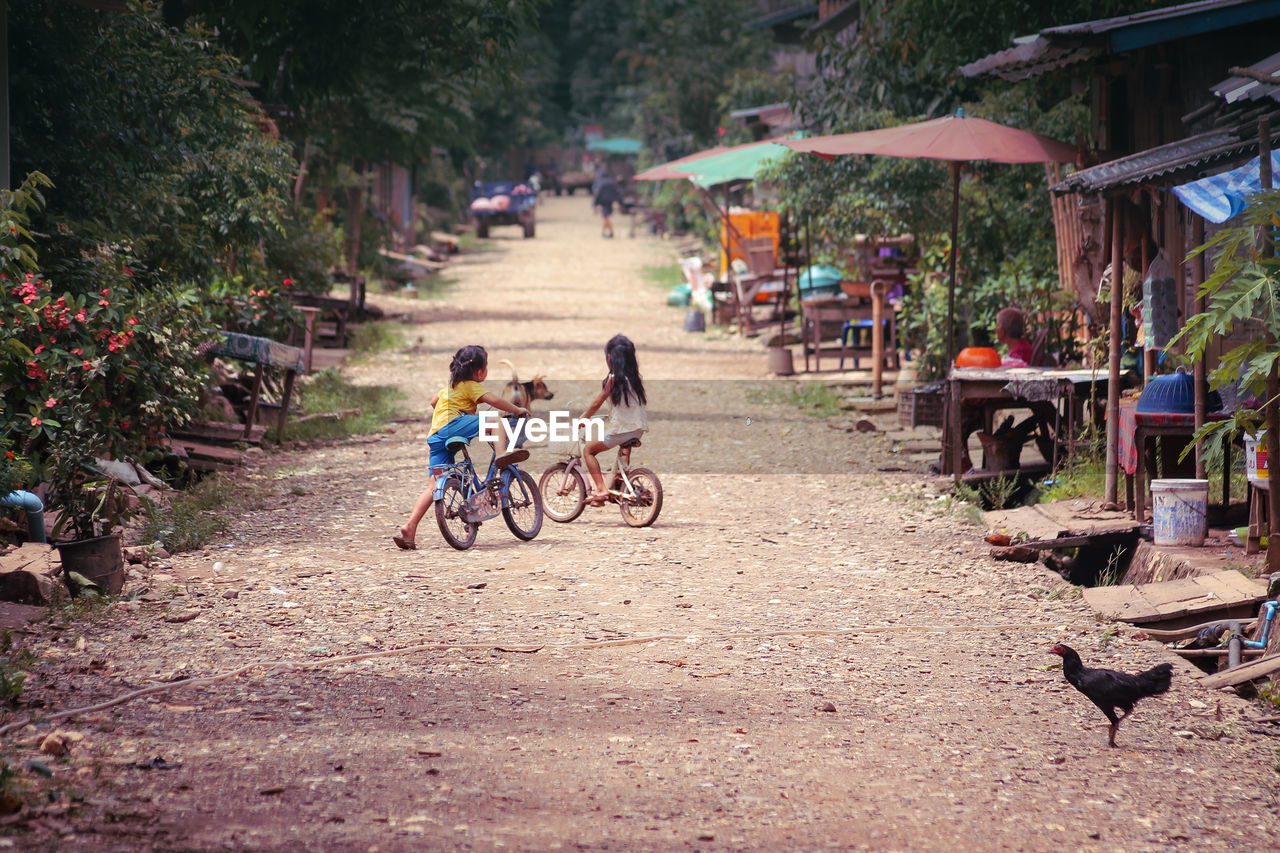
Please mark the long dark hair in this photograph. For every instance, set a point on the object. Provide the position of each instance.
(627, 386)
(467, 362)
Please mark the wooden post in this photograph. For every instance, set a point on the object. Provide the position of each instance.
(308, 337)
(1202, 363)
(1273, 380)
(955, 251)
(877, 338)
(1113, 361)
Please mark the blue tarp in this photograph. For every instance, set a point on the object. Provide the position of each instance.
(1219, 197)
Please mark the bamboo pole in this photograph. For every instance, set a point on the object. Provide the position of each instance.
(1113, 361)
(1202, 363)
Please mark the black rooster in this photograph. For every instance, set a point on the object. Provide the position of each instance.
(1109, 689)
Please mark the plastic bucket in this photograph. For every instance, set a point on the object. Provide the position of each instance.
(1255, 457)
(1180, 514)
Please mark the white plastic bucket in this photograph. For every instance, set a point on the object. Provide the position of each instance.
(1180, 512)
(1255, 457)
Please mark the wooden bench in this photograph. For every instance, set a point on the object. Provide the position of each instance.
(267, 355)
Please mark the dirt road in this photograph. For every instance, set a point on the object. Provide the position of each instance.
(804, 653)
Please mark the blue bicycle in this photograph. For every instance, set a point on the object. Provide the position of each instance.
(463, 500)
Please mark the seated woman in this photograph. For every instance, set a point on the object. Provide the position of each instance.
(1009, 331)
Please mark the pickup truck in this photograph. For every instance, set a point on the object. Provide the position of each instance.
(575, 180)
(503, 203)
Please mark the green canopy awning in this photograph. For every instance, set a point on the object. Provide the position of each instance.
(739, 164)
(616, 145)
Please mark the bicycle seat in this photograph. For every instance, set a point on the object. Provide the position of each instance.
(631, 442)
(456, 442)
(511, 458)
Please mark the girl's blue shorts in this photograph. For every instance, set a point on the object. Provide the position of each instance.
(467, 426)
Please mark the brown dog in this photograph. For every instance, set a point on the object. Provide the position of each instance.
(524, 393)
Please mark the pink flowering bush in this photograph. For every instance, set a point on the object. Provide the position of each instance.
(95, 372)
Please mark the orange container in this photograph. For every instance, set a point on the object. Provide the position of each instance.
(978, 357)
(747, 224)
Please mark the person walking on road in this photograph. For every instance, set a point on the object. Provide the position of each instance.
(606, 196)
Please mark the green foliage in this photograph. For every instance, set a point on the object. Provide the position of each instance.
(94, 373)
(1083, 477)
(1244, 286)
(194, 517)
(158, 150)
(238, 306)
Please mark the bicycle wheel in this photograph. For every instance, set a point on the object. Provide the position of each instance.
(642, 509)
(458, 533)
(564, 492)
(523, 512)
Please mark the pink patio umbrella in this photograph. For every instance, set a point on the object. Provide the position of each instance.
(957, 139)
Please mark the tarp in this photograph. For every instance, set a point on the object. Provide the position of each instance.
(1219, 197)
(616, 145)
(739, 164)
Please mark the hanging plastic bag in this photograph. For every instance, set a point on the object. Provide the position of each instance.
(1159, 304)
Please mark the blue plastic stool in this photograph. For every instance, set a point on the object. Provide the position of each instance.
(847, 331)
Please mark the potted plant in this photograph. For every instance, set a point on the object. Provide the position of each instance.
(92, 508)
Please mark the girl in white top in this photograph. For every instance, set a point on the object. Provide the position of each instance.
(625, 392)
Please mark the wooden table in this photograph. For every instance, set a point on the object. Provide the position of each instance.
(824, 319)
(1135, 429)
(994, 388)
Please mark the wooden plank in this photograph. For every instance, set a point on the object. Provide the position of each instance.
(1156, 602)
(1241, 674)
(220, 431)
(1032, 520)
(1079, 541)
(207, 451)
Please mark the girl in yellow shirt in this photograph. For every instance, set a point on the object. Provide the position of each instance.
(453, 414)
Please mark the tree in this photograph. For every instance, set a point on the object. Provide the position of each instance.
(352, 84)
(157, 148)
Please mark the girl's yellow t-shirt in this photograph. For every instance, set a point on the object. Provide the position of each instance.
(461, 399)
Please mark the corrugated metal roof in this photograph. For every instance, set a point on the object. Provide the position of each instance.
(1235, 89)
(784, 16)
(1175, 162)
(842, 17)
(1057, 47)
(1030, 59)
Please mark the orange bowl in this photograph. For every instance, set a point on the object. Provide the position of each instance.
(978, 357)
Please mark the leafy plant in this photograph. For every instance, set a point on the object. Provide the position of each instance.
(193, 517)
(1244, 287)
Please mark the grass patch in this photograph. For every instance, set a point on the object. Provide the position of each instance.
(329, 392)
(194, 517)
(1084, 477)
(370, 338)
(812, 398)
(14, 665)
(662, 276)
